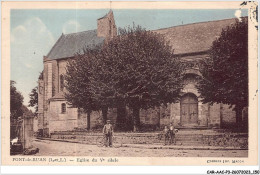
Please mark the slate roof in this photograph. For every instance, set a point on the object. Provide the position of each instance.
(196, 37)
(70, 44)
(189, 38)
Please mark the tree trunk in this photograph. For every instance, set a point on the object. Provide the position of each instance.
(239, 116)
(121, 117)
(245, 118)
(104, 114)
(221, 116)
(136, 115)
(88, 120)
(159, 118)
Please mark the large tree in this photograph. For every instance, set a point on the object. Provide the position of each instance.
(225, 73)
(16, 102)
(142, 68)
(81, 85)
(137, 69)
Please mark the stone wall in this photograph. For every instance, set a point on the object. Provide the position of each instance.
(40, 103)
(48, 92)
(229, 116)
(59, 121)
(49, 84)
(62, 71)
(175, 114)
(55, 77)
(203, 110)
(150, 116)
(234, 140)
(106, 26)
(214, 115)
(103, 27)
(227, 139)
(95, 119)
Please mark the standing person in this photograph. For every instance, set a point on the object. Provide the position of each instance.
(108, 133)
(166, 134)
(19, 129)
(172, 133)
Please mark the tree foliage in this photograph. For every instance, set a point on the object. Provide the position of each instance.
(225, 74)
(16, 101)
(34, 99)
(137, 69)
(143, 69)
(34, 95)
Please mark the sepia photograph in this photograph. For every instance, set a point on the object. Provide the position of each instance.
(130, 82)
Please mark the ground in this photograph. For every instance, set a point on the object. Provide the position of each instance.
(56, 148)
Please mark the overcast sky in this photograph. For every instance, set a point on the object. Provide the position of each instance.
(34, 32)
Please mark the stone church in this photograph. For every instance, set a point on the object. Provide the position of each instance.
(190, 42)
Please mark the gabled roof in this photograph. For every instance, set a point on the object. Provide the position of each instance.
(197, 37)
(70, 44)
(189, 38)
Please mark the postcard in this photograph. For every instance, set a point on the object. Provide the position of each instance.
(129, 83)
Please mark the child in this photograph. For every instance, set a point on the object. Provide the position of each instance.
(166, 134)
(172, 134)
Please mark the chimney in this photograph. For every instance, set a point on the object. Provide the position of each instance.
(106, 26)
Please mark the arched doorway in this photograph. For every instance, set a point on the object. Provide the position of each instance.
(189, 110)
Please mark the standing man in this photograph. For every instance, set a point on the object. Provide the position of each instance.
(172, 133)
(108, 133)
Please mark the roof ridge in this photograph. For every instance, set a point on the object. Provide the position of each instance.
(69, 44)
(197, 23)
(80, 32)
(55, 44)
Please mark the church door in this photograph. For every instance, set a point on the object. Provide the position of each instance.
(189, 110)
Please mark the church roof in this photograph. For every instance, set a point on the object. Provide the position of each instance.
(196, 37)
(189, 38)
(70, 44)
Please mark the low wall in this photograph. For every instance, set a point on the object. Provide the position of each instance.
(233, 140)
(239, 140)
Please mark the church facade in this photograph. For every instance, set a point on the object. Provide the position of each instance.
(191, 43)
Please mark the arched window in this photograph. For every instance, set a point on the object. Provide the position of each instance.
(61, 82)
(63, 108)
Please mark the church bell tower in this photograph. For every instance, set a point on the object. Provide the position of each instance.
(106, 26)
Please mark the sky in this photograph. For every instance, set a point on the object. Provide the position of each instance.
(34, 32)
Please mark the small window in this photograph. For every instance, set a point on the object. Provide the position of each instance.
(61, 82)
(63, 108)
